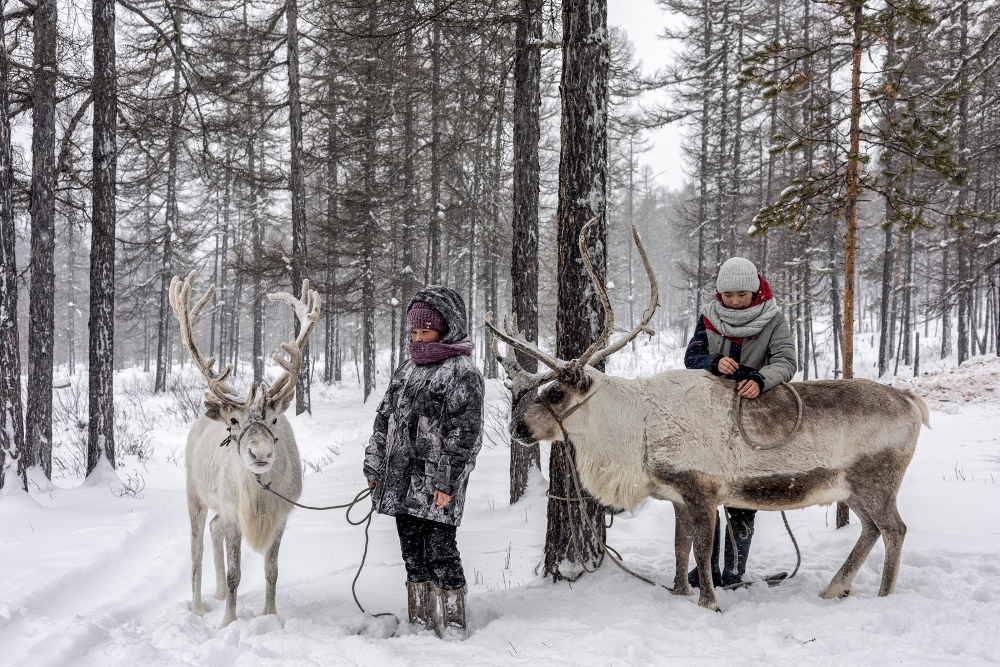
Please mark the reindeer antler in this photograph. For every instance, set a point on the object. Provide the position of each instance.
(520, 381)
(602, 293)
(180, 295)
(647, 315)
(307, 313)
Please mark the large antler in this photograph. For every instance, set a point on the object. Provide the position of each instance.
(520, 381)
(602, 293)
(307, 313)
(647, 315)
(180, 295)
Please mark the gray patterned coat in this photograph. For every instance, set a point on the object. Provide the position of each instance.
(428, 428)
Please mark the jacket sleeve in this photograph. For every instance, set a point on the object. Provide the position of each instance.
(697, 354)
(375, 451)
(461, 428)
(781, 365)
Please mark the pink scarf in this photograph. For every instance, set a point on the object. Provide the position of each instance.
(430, 353)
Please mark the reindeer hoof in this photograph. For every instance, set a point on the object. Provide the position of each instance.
(229, 618)
(712, 606)
(835, 592)
(679, 589)
(197, 609)
(221, 594)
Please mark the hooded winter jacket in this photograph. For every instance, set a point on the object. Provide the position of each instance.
(429, 426)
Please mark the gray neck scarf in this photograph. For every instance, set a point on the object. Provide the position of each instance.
(739, 323)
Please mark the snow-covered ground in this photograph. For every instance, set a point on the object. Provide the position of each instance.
(96, 574)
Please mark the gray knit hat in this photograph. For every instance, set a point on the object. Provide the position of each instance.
(737, 275)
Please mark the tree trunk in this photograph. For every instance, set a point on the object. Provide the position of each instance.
(945, 296)
(225, 307)
(437, 111)
(492, 301)
(101, 438)
(851, 215)
(172, 211)
(41, 310)
(524, 250)
(410, 282)
(368, 223)
(962, 256)
(297, 182)
(13, 458)
(570, 547)
(885, 320)
(851, 205)
(706, 105)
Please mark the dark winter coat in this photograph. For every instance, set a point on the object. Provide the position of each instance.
(428, 428)
(771, 352)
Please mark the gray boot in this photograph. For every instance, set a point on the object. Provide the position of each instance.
(420, 602)
(450, 614)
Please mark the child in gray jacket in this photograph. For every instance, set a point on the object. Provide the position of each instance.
(741, 335)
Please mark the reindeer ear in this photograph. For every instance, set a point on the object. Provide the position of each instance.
(216, 410)
(282, 404)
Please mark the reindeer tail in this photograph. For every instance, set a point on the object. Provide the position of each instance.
(918, 403)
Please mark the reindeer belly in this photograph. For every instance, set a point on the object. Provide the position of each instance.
(819, 486)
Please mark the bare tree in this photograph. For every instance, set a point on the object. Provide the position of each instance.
(101, 435)
(41, 320)
(570, 548)
(12, 454)
(524, 251)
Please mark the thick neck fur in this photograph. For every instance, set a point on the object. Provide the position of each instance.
(608, 434)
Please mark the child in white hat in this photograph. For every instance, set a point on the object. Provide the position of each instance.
(743, 336)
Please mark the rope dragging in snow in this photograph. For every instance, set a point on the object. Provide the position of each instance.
(367, 520)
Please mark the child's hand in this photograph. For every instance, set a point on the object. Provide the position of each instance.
(371, 485)
(727, 366)
(441, 499)
(747, 388)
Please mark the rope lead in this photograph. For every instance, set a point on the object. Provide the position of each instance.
(367, 520)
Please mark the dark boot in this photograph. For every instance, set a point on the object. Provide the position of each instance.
(420, 604)
(716, 575)
(451, 619)
(742, 523)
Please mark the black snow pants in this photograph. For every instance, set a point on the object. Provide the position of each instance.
(430, 552)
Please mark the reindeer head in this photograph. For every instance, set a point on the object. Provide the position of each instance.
(251, 421)
(573, 381)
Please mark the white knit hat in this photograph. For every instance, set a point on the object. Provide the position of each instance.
(737, 275)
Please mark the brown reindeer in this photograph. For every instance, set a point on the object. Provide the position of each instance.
(660, 436)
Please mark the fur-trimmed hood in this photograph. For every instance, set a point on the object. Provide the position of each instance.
(450, 304)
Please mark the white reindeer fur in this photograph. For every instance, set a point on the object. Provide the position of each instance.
(220, 479)
(684, 419)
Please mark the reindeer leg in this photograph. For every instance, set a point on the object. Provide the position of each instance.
(893, 530)
(197, 513)
(701, 526)
(218, 549)
(233, 540)
(682, 547)
(271, 571)
(840, 585)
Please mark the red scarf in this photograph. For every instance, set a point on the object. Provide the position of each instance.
(763, 294)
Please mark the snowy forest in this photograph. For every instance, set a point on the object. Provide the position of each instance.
(849, 148)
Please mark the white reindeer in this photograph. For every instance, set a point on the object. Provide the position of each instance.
(234, 448)
(674, 436)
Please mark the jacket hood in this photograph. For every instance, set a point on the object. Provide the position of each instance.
(450, 304)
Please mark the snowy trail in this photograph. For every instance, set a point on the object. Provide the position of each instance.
(94, 579)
